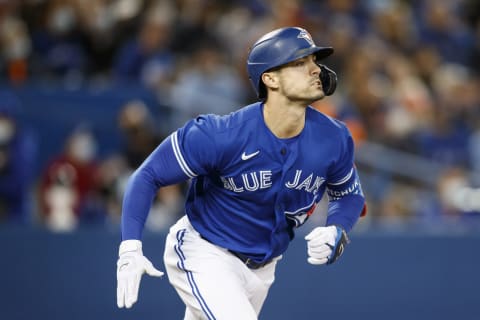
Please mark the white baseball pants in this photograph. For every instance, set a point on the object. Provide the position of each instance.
(211, 281)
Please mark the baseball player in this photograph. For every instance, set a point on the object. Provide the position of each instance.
(256, 175)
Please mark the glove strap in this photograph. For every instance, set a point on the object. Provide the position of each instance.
(129, 246)
(341, 241)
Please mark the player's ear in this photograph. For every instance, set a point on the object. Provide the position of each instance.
(270, 79)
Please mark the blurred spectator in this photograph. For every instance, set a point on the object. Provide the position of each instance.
(140, 138)
(112, 174)
(166, 209)
(191, 20)
(395, 208)
(205, 84)
(459, 204)
(69, 183)
(446, 138)
(410, 105)
(18, 154)
(58, 43)
(440, 24)
(98, 21)
(15, 46)
(147, 57)
(139, 133)
(393, 21)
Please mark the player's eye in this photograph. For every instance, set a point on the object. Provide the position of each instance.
(299, 63)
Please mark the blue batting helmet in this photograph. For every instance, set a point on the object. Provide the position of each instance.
(277, 48)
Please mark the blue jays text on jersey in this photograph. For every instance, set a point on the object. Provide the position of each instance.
(250, 189)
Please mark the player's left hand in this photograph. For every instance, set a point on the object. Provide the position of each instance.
(131, 265)
(326, 244)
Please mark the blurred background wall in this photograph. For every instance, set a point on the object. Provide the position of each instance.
(89, 88)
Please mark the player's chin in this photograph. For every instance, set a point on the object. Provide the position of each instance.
(318, 95)
(308, 97)
(317, 92)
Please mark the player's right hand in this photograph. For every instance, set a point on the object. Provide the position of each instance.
(131, 265)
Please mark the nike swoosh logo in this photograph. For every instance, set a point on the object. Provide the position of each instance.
(248, 156)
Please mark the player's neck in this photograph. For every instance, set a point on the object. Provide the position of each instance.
(284, 120)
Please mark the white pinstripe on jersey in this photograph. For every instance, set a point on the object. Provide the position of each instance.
(178, 154)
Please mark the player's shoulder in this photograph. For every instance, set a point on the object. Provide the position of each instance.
(319, 119)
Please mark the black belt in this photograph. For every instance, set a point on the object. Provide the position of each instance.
(251, 264)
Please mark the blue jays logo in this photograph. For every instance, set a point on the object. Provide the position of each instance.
(305, 35)
(301, 215)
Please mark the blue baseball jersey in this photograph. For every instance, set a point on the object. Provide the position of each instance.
(249, 189)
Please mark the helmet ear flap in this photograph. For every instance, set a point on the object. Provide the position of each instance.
(329, 79)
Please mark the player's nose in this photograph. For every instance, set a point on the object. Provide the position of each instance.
(314, 67)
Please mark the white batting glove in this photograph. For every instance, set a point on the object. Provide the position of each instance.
(131, 265)
(325, 244)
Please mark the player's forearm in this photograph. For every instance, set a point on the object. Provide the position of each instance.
(345, 211)
(346, 202)
(137, 201)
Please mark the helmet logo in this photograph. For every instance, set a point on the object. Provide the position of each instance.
(305, 35)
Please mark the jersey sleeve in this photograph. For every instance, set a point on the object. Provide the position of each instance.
(186, 153)
(346, 202)
(195, 146)
(344, 190)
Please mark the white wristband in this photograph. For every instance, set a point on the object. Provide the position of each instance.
(129, 245)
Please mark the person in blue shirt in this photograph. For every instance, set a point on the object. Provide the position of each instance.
(256, 175)
(18, 155)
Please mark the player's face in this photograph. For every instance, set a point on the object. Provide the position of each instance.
(299, 80)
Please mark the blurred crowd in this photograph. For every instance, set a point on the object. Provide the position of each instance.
(409, 89)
